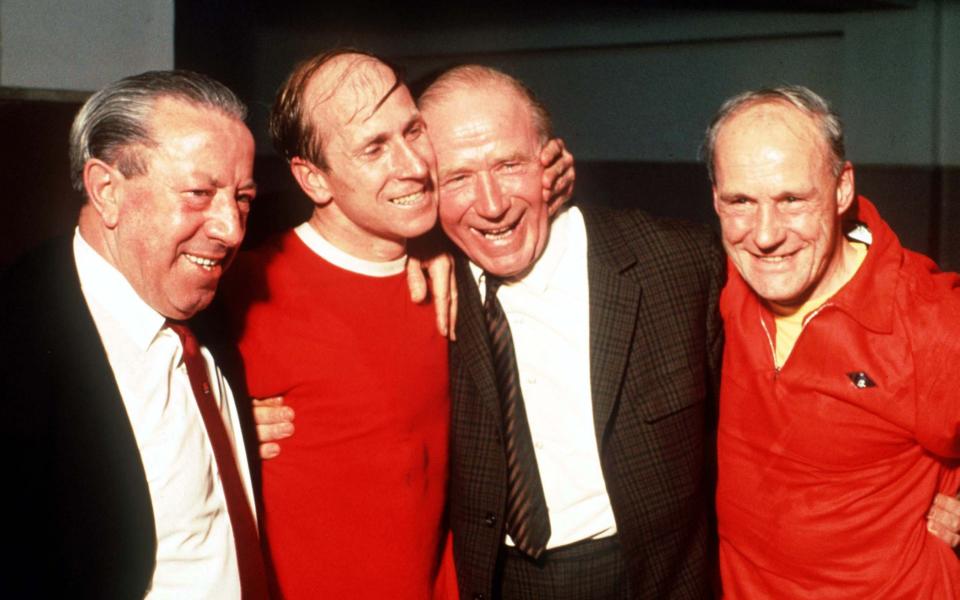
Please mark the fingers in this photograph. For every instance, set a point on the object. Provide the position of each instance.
(943, 520)
(948, 504)
(551, 152)
(943, 533)
(416, 280)
(559, 174)
(268, 451)
(274, 422)
(562, 193)
(454, 296)
(443, 288)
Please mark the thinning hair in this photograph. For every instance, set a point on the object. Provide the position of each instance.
(798, 96)
(113, 122)
(292, 129)
(466, 76)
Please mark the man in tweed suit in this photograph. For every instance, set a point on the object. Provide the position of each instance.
(617, 342)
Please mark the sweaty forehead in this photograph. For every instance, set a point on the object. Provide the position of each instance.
(348, 89)
(771, 120)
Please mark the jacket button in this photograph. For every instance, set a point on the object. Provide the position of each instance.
(478, 596)
(490, 520)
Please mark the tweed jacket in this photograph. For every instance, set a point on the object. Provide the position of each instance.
(655, 348)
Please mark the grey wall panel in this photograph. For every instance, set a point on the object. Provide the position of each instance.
(652, 102)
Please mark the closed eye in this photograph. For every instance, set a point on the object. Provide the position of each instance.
(454, 179)
(415, 130)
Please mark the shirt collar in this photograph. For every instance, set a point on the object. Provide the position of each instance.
(869, 297)
(110, 294)
(335, 256)
(538, 278)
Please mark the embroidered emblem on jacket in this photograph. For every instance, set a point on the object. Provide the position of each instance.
(861, 379)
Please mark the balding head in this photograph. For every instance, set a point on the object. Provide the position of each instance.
(296, 126)
(476, 77)
(799, 97)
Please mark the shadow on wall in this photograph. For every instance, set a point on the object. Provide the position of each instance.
(37, 202)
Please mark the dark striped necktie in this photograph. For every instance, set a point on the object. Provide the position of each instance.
(528, 522)
(253, 578)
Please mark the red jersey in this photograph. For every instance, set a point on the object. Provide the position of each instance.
(353, 506)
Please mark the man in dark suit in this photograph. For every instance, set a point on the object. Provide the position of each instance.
(128, 475)
(614, 359)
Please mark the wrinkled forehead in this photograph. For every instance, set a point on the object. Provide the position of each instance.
(753, 132)
(348, 89)
(773, 119)
(471, 111)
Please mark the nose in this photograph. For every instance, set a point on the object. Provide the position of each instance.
(411, 164)
(768, 231)
(490, 202)
(226, 221)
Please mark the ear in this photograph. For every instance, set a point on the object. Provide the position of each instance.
(716, 199)
(102, 183)
(312, 180)
(846, 190)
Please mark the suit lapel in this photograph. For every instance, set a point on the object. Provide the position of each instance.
(614, 301)
(472, 337)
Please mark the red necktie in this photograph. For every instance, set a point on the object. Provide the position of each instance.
(253, 579)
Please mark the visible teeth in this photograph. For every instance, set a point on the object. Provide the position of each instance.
(773, 258)
(206, 263)
(496, 234)
(409, 199)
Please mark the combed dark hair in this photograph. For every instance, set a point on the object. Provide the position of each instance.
(797, 95)
(293, 132)
(117, 117)
(480, 75)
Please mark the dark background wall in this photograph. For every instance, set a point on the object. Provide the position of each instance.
(631, 86)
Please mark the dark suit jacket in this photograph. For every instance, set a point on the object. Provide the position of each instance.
(77, 497)
(655, 346)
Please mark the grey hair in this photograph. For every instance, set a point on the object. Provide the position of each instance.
(116, 118)
(479, 75)
(799, 96)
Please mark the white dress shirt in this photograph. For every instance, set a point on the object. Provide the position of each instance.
(549, 315)
(196, 556)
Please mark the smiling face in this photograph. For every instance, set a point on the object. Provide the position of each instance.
(491, 202)
(780, 203)
(174, 229)
(378, 188)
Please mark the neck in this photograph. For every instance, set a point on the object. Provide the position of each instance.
(94, 234)
(346, 235)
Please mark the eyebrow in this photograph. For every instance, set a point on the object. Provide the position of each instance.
(250, 184)
(379, 138)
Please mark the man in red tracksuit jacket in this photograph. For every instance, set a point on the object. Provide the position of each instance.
(839, 415)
